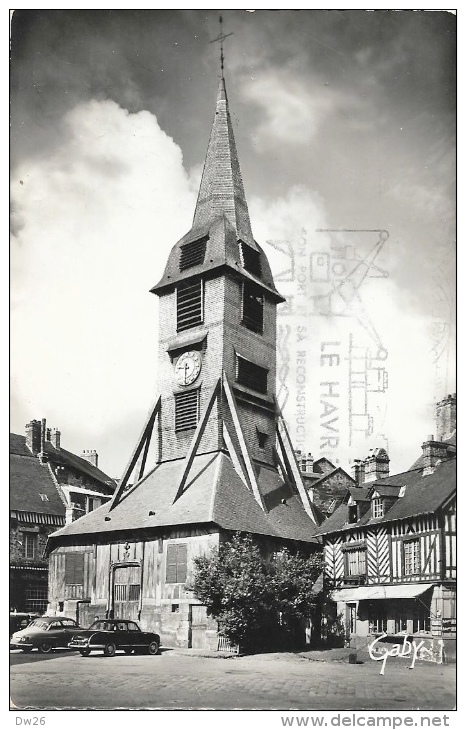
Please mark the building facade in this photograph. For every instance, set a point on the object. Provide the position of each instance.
(326, 484)
(49, 487)
(390, 554)
(224, 462)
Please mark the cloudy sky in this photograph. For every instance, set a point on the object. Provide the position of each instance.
(343, 120)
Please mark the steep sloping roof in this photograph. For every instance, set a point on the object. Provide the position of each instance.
(386, 490)
(67, 458)
(221, 216)
(360, 494)
(18, 445)
(28, 480)
(221, 189)
(214, 493)
(323, 465)
(423, 495)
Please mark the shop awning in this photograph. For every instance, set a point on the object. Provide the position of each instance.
(371, 593)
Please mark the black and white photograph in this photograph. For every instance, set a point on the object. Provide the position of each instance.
(233, 365)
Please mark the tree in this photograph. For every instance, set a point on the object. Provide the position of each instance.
(255, 598)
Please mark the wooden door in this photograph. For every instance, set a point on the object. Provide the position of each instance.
(127, 592)
(197, 627)
(351, 615)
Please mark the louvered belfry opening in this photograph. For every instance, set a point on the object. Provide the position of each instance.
(253, 307)
(189, 305)
(251, 375)
(250, 259)
(186, 409)
(193, 254)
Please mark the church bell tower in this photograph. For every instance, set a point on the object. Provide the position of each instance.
(217, 345)
(217, 313)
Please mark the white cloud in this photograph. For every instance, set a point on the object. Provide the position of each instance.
(291, 111)
(96, 221)
(378, 314)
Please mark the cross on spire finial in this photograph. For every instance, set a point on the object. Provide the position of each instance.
(220, 38)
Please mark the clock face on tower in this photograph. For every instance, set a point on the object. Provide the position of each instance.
(187, 368)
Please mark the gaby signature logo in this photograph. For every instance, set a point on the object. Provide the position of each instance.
(409, 647)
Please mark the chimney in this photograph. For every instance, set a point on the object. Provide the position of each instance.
(42, 435)
(91, 456)
(33, 436)
(357, 471)
(48, 434)
(432, 453)
(376, 466)
(446, 417)
(306, 462)
(56, 438)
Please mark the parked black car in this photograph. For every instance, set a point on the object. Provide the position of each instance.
(19, 621)
(108, 635)
(45, 633)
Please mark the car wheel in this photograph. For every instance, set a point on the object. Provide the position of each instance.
(128, 651)
(27, 649)
(45, 647)
(84, 652)
(153, 648)
(109, 649)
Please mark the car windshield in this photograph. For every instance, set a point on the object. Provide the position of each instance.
(37, 624)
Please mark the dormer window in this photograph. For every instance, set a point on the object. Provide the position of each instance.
(250, 259)
(352, 513)
(193, 254)
(189, 305)
(252, 310)
(377, 507)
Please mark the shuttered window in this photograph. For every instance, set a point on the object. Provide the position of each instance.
(250, 259)
(74, 568)
(251, 375)
(189, 305)
(192, 254)
(177, 563)
(252, 313)
(186, 409)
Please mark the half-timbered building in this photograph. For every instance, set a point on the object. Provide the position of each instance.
(49, 487)
(390, 554)
(223, 457)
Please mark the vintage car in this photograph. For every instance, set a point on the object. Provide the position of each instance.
(108, 635)
(19, 620)
(45, 633)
